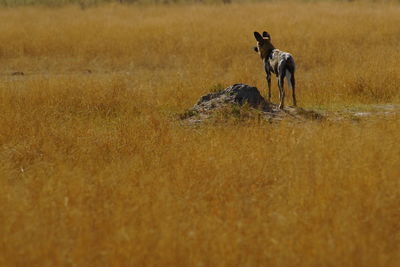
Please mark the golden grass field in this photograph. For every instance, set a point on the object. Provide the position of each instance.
(97, 170)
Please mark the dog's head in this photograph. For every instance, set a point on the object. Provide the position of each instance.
(264, 45)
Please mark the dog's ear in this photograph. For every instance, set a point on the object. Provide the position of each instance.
(266, 35)
(258, 37)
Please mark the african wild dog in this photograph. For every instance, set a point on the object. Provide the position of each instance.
(278, 62)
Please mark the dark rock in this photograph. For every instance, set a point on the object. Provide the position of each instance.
(16, 73)
(236, 94)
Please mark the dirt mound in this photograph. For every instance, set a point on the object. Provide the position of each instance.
(236, 94)
(241, 101)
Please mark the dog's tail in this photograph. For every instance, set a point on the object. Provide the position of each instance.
(290, 69)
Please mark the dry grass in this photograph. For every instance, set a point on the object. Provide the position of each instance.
(97, 171)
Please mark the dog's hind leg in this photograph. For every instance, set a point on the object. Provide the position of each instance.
(281, 78)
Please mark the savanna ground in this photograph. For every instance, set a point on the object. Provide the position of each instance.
(97, 170)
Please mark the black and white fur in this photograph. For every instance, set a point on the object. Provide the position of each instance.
(278, 62)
